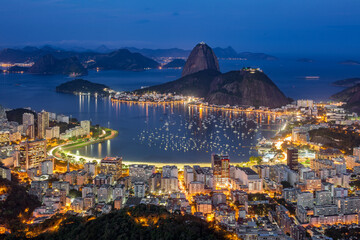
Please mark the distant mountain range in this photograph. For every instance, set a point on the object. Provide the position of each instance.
(157, 53)
(228, 52)
(201, 78)
(49, 60)
(32, 54)
(131, 59)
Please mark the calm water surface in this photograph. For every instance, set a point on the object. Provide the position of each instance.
(171, 133)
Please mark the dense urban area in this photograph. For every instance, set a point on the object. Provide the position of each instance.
(302, 185)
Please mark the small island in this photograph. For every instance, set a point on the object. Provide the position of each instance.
(349, 82)
(350, 62)
(81, 86)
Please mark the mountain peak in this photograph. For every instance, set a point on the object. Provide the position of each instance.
(202, 57)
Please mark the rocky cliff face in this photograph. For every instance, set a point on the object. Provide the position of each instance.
(48, 64)
(201, 78)
(202, 57)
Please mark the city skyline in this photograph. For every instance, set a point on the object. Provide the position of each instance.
(107, 132)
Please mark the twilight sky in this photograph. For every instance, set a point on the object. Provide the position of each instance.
(272, 26)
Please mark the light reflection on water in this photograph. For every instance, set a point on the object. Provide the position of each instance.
(38, 92)
(178, 132)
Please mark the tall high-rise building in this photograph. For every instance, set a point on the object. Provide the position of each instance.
(30, 131)
(52, 132)
(170, 171)
(216, 166)
(356, 151)
(47, 167)
(139, 189)
(28, 125)
(90, 168)
(111, 165)
(221, 169)
(4, 138)
(28, 119)
(32, 153)
(43, 124)
(292, 159)
(85, 126)
(305, 103)
(5, 173)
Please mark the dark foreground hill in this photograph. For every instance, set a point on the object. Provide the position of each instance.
(146, 222)
(17, 207)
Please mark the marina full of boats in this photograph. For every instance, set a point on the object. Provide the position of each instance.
(167, 128)
(201, 127)
(209, 131)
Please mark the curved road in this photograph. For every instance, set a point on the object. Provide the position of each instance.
(77, 157)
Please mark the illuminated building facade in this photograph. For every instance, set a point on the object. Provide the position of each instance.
(32, 153)
(292, 159)
(43, 124)
(111, 165)
(85, 126)
(5, 173)
(4, 138)
(28, 125)
(221, 169)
